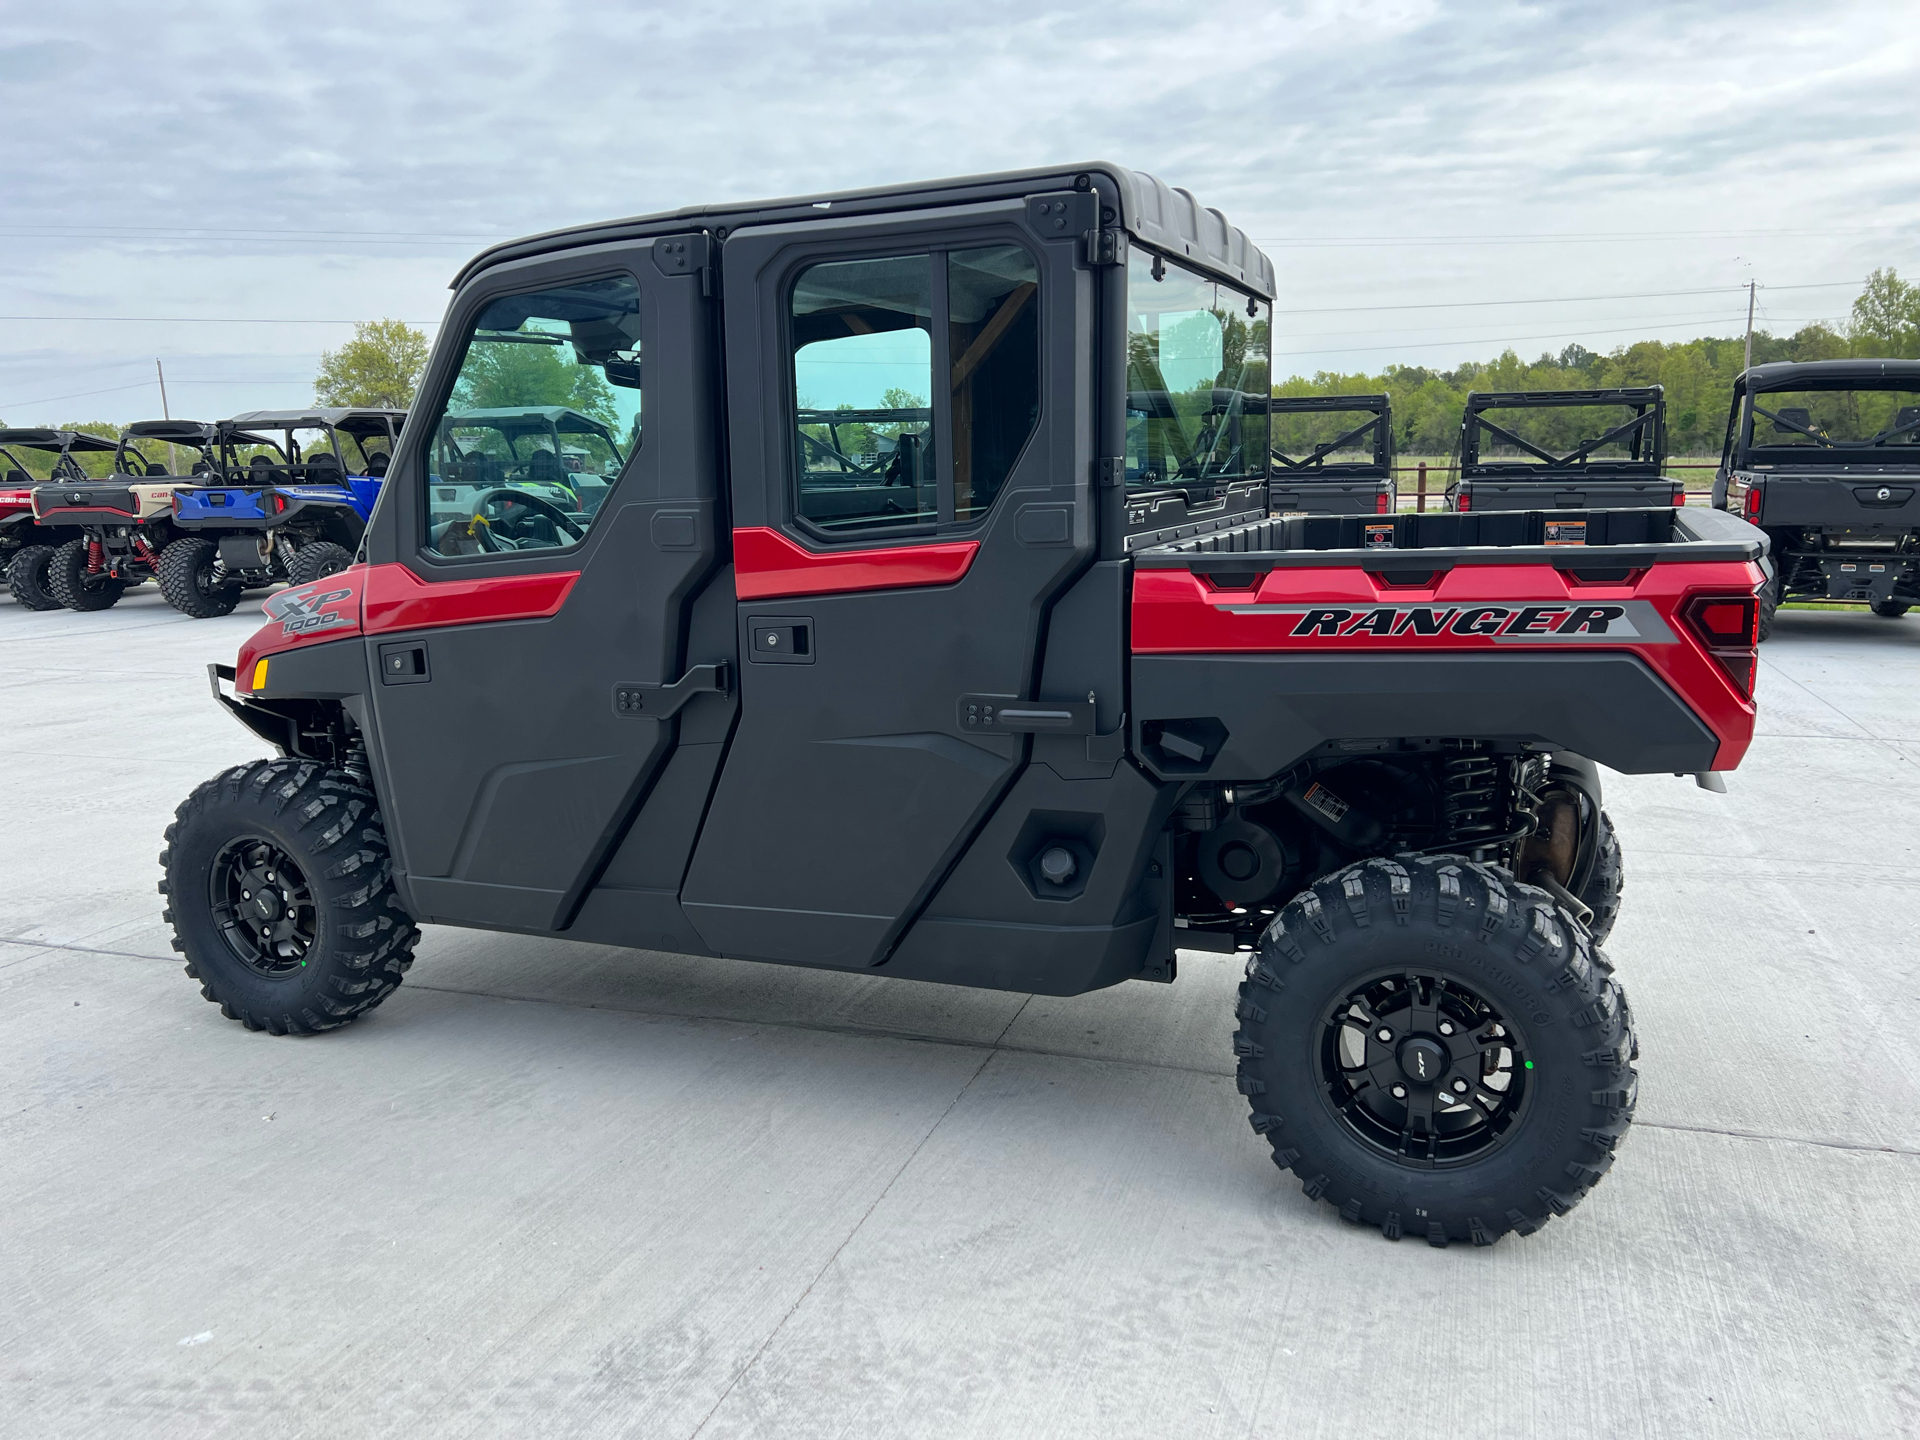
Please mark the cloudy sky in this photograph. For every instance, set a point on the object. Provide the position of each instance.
(224, 187)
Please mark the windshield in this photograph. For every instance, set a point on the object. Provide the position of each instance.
(1196, 354)
(1832, 424)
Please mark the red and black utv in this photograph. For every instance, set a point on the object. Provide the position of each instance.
(1824, 455)
(1332, 455)
(925, 693)
(26, 541)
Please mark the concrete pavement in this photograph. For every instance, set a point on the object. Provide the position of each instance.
(559, 1189)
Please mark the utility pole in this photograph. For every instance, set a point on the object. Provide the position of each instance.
(173, 460)
(1747, 364)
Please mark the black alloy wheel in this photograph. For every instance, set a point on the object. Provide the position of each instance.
(263, 906)
(1422, 1070)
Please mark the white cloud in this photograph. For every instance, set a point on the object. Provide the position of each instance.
(1770, 140)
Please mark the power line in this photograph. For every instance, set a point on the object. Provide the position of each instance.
(244, 230)
(1564, 299)
(197, 320)
(1485, 340)
(1571, 237)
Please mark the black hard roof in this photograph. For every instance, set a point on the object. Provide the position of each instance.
(1822, 374)
(185, 432)
(33, 439)
(1618, 395)
(352, 419)
(1157, 214)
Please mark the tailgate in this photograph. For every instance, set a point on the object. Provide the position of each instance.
(1254, 647)
(1852, 501)
(1368, 495)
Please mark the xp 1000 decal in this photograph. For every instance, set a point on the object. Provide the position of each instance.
(1516, 622)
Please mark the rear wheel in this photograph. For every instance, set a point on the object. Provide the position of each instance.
(1769, 596)
(1890, 609)
(1435, 1049)
(315, 561)
(27, 577)
(280, 894)
(1601, 893)
(190, 583)
(69, 582)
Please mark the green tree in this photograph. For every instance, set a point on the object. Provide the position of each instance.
(378, 368)
(1886, 318)
(501, 373)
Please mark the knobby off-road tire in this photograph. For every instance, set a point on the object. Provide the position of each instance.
(188, 581)
(1769, 596)
(315, 561)
(27, 577)
(1601, 893)
(280, 893)
(70, 584)
(1890, 609)
(1466, 972)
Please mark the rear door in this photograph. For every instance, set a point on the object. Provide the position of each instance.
(911, 447)
(516, 623)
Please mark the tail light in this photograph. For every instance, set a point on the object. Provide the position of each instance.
(1463, 501)
(279, 503)
(1752, 506)
(1679, 495)
(1728, 627)
(1380, 503)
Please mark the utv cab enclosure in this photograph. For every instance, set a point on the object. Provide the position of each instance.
(1824, 455)
(1332, 455)
(289, 500)
(933, 627)
(1564, 450)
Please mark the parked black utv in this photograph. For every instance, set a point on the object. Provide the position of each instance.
(1564, 450)
(1332, 455)
(1824, 455)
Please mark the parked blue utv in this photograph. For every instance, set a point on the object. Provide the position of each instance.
(290, 502)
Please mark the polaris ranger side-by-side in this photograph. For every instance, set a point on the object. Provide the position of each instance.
(1564, 450)
(1824, 455)
(1332, 455)
(970, 697)
(289, 502)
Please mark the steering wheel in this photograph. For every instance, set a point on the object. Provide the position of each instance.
(481, 526)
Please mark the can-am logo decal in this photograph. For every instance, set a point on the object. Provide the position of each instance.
(300, 611)
(1518, 622)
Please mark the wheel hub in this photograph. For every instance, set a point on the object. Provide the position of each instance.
(1423, 1070)
(1424, 1060)
(262, 904)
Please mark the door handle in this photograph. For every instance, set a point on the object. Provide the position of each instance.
(639, 700)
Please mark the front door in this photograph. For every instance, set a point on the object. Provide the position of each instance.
(911, 454)
(545, 525)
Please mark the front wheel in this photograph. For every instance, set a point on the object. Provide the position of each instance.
(1601, 893)
(191, 584)
(1890, 609)
(1435, 1049)
(280, 893)
(74, 586)
(27, 577)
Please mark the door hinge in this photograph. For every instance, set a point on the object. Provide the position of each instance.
(1110, 471)
(639, 700)
(1106, 246)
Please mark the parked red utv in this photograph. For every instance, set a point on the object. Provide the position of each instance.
(27, 540)
(938, 701)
